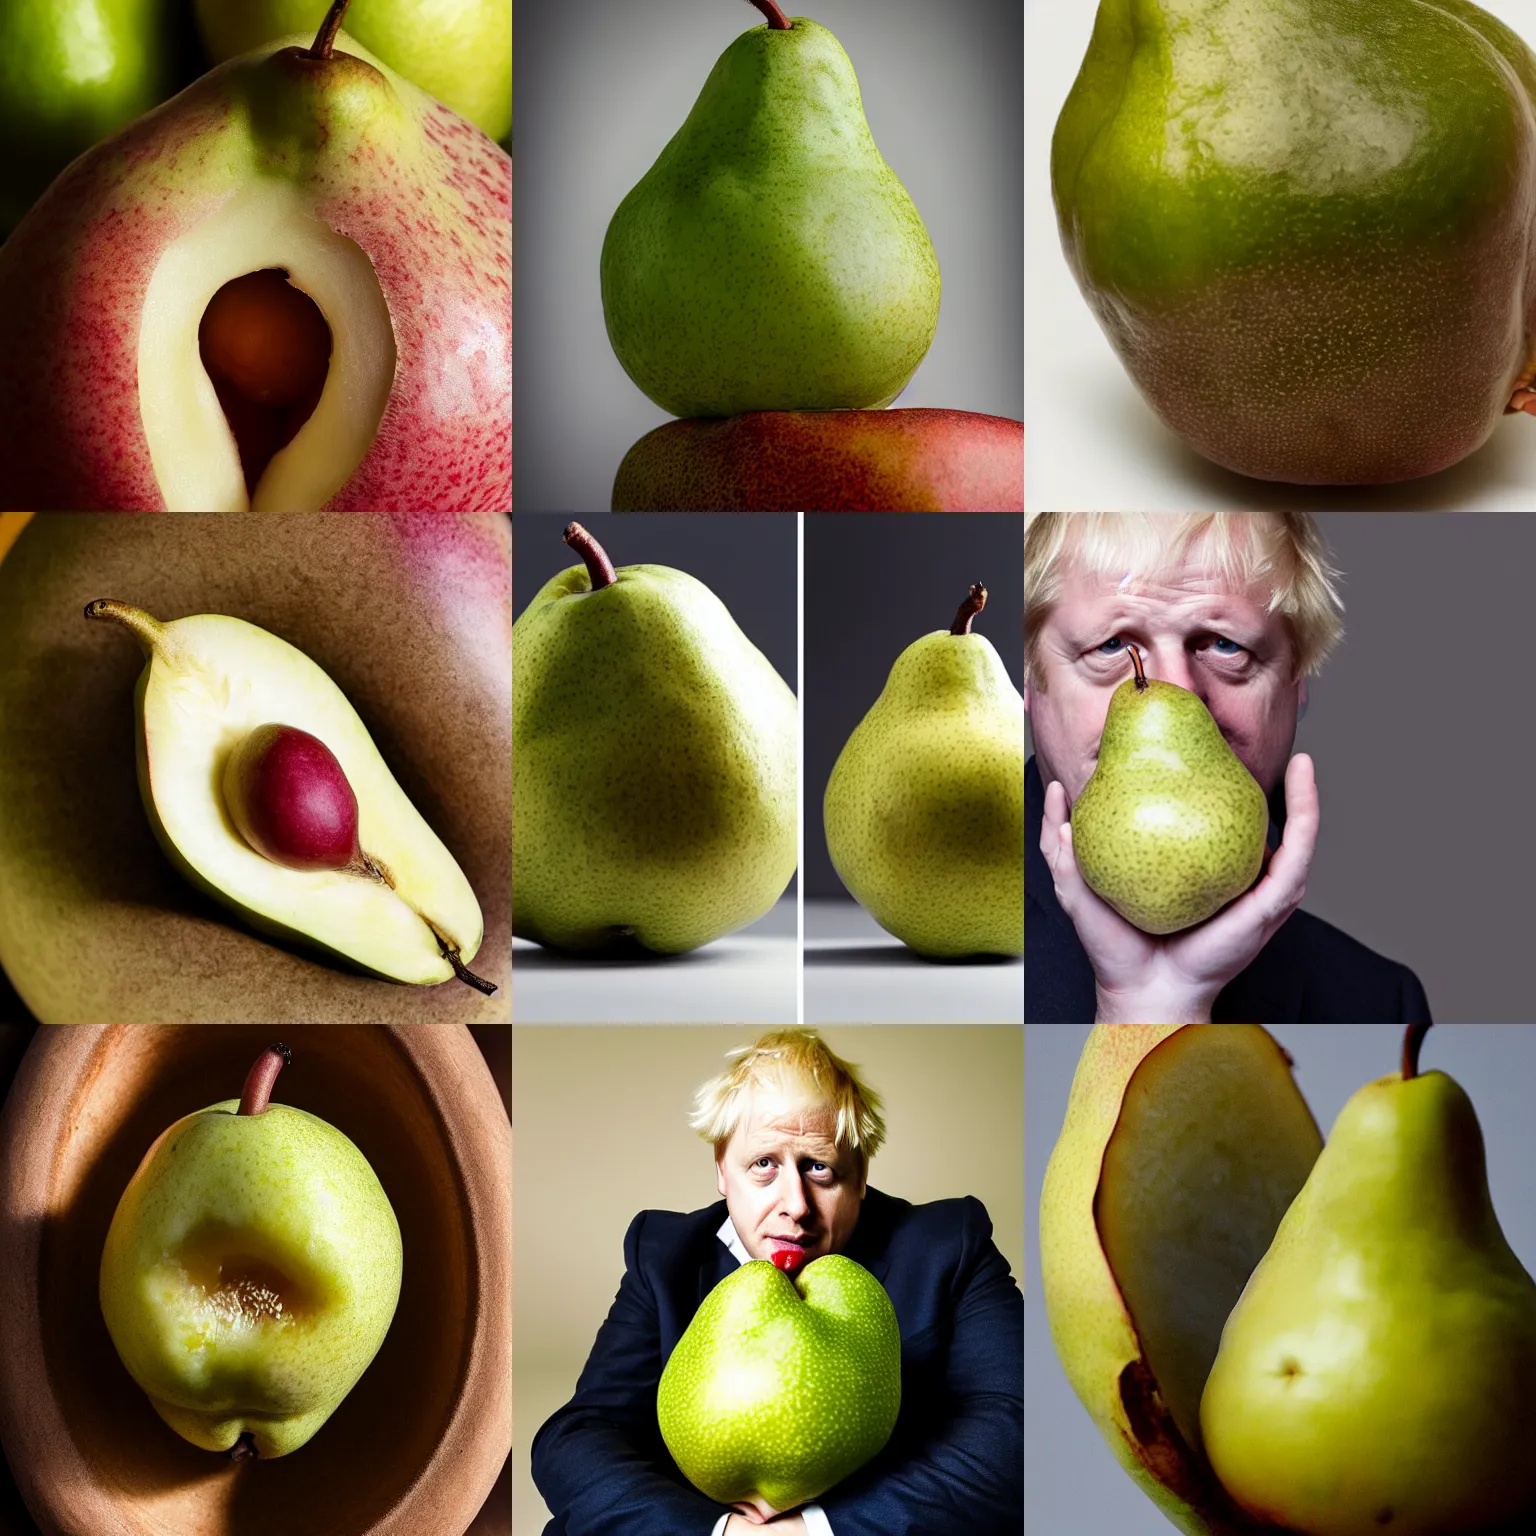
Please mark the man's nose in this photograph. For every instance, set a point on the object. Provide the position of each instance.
(1170, 664)
(792, 1199)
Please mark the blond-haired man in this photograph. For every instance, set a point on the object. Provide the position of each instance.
(793, 1128)
(1240, 608)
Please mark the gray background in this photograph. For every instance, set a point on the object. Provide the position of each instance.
(602, 85)
(1423, 736)
(1072, 1482)
(874, 583)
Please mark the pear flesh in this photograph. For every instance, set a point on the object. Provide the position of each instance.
(1308, 227)
(1181, 1149)
(1171, 826)
(770, 260)
(1376, 1374)
(924, 808)
(210, 682)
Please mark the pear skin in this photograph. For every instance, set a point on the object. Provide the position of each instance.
(1181, 1148)
(1171, 826)
(1308, 228)
(1376, 1372)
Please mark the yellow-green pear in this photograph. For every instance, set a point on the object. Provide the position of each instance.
(251, 1271)
(1181, 1148)
(212, 688)
(924, 809)
(1171, 826)
(1377, 1373)
(655, 763)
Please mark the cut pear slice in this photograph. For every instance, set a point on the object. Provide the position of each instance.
(191, 446)
(1182, 1148)
(210, 681)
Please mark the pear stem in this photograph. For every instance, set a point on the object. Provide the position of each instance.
(259, 1082)
(1412, 1040)
(1141, 671)
(975, 601)
(599, 567)
(149, 632)
(777, 20)
(325, 38)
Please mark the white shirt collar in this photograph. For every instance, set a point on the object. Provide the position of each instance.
(732, 1240)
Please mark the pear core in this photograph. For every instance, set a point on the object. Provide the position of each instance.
(198, 434)
(239, 1288)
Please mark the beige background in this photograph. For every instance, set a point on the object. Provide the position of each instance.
(600, 1128)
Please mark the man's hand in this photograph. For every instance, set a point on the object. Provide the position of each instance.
(783, 1525)
(1143, 979)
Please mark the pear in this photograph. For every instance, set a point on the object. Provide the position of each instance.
(1172, 826)
(827, 461)
(924, 809)
(1308, 227)
(655, 763)
(234, 727)
(251, 1271)
(388, 213)
(782, 1386)
(70, 75)
(770, 260)
(410, 615)
(1181, 1148)
(459, 51)
(1376, 1372)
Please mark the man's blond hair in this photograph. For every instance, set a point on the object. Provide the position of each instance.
(798, 1064)
(1283, 549)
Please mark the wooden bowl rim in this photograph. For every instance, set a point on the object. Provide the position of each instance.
(454, 1483)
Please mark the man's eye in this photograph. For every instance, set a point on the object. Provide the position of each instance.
(763, 1162)
(1224, 647)
(1112, 647)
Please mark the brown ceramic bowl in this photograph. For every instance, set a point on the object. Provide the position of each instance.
(418, 1443)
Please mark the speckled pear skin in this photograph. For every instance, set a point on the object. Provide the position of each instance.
(924, 809)
(655, 767)
(770, 260)
(782, 1387)
(290, 1192)
(1171, 827)
(1308, 227)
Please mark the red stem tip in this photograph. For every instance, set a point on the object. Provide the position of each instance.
(260, 1079)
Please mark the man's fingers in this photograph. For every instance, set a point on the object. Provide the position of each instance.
(1053, 821)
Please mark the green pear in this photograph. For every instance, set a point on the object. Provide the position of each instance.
(770, 260)
(655, 762)
(1180, 1150)
(1376, 1372)
(251, 1272)
(1308, 227)
(332, 185)
(1172, 826)
(781, 1387)
(71, 72)
(395, 903)
(459, 51)
(924, 809)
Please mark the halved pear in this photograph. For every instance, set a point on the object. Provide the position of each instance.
(210, 681)
(1182, 1148)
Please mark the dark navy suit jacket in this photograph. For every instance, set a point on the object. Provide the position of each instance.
(1308, 973)
(955, 1463)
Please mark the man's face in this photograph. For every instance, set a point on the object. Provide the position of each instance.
(1192, 629)
(787, 1187)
